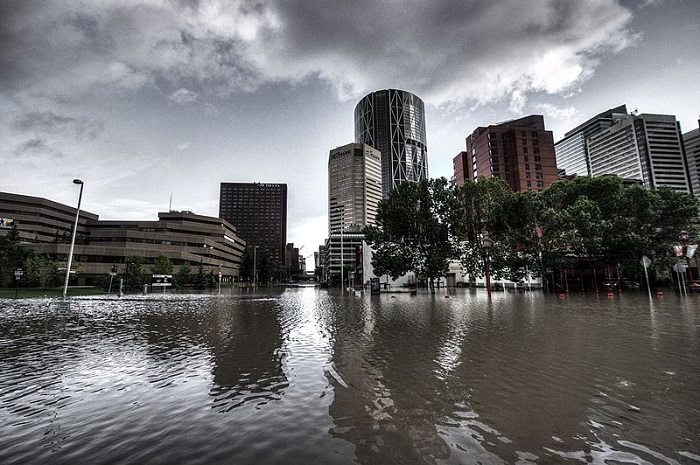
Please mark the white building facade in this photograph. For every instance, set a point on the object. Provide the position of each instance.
(645, 147)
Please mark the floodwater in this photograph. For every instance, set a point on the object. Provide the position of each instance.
(310, 376)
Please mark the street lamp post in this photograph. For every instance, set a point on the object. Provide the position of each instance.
(72, 241)
(486, 245)
(342, 227)
(255, 265)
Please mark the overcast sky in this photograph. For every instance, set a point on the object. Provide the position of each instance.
(151, 98)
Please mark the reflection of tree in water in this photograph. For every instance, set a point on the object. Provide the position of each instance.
(425, 386)
(243, 337)
(246, 342)
(387, 358)
(428, 383)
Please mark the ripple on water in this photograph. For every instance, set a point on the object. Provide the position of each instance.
(307, 376)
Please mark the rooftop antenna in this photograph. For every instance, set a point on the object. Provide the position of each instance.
(170, 207)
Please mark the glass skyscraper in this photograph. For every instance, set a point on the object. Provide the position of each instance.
(393, 122)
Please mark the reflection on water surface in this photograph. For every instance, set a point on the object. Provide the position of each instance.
(310, 376)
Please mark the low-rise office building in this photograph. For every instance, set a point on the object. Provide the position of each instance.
(184, 237)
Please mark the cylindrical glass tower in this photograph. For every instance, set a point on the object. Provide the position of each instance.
(393, 122)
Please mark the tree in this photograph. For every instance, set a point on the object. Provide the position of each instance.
(199, 281)
(246, 272)
(184, 276)
(162, 265)
(482, 207)
(12, 256)
(41, 271)
(134, 270)
(414, 230)
(264, 269)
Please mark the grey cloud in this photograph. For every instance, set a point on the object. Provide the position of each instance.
(50, 123)
(479, 49)
(182, 96)
(445, 51)
(38, 147)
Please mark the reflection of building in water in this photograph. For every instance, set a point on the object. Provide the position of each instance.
(246, 342)
(385, 411)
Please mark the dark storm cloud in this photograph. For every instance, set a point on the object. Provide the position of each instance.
(478, 50)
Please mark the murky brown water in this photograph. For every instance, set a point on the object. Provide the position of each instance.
(308, 376)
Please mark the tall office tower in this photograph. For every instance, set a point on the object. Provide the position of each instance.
(259, 213)
(393, 122)
(572, 151)
(645, 147)
(354, 186)
(354, 193)
(521, 152)
(691, 143)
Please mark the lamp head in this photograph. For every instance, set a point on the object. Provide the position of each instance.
(77, 181)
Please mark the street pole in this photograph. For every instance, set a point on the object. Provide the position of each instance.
(342, 277)
(255, 265)
(486, 244)
(72, 241)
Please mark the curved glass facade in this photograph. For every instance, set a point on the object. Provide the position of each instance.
(393, 122)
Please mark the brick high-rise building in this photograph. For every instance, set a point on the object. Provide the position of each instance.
(259, 213)
(521, 152)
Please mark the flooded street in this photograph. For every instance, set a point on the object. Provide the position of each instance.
(309, 376)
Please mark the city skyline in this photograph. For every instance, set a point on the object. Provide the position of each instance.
(148, 101)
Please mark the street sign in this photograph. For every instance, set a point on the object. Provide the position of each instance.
(680, 267)
(63, 308)
(18, 273)
(645, 261)
(162, 280)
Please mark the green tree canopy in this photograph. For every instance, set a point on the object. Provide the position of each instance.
(134, 270)
(162, 265)
(414, 230)
(184, 275)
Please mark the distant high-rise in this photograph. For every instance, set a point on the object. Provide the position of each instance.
(354, 185)
(691, 143)
(572, 151)
(354, 193)
(259, 213)
(393, 122)
(521, 152)
(646, 147)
